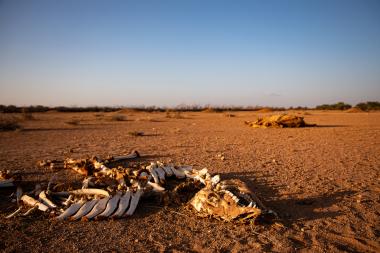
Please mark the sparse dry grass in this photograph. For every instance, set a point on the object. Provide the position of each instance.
(229, 115)
(174, 114)
(9, 123)
(119, 117)
(73, 122)
(136, 133)
(27, 116)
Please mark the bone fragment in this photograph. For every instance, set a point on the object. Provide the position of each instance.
(14, 213)
(215, 180)
(71, 210)
(90, 191)
(44, 199)
(111, 205)
(123, 205)
(68, 200)
(132, 155)
(134, 201)
(33, 202)
(156, 187)
(85, 209)
(29, 211)
(98, 208)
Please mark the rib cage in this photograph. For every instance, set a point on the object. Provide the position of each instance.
(116, 192)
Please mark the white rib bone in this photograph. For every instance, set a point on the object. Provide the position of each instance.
(111, 205)
(161, 174)
(33, 202)
(85, 209)
(134, 201)
(14, 213)
(178, 173)
(123, 205)
(44, 199)
(156, 187)
(153, 172)
(168, 171)
(71, 210)
(90, 191)
(6, 183)
(98, 208)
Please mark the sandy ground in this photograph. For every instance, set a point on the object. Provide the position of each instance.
(323, 182)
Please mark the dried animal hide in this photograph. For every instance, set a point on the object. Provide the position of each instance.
(279, 121)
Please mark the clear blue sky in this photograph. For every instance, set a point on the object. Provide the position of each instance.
(277, 53)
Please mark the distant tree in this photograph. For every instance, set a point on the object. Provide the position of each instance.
(370, 105)
(336, 106)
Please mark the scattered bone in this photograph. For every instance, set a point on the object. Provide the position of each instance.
(71, 210)
(68, 200)
(156, 187)
(85, 209)
(33, 202)
(132, 155)
(14, 213)
(98, 208)
(44, 199)
(123, 205)
(111, 205)
(30, 210)
(90, 191)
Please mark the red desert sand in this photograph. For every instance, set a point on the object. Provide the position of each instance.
(323, 182)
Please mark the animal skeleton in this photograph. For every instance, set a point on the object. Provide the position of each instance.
(114, 192)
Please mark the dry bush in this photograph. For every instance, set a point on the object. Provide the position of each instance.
(9, 123)
(119, 117)
(229, 115)
(173, 114)
(354, 110)
(136, 133)
(73, 122)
